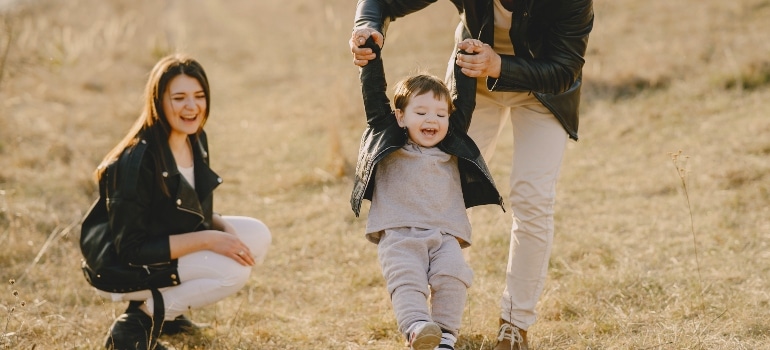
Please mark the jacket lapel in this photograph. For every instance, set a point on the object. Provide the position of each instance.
(187, 198)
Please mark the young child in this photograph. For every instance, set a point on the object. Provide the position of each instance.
(420, 170)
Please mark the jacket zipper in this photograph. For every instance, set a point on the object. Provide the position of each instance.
(199, 215)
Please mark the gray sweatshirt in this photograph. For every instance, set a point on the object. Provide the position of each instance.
(418, 187)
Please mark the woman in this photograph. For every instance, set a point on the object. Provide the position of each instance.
(152, 238)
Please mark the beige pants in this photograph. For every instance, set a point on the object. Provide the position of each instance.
(418, 263)
(539, 141)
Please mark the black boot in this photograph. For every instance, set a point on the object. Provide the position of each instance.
(182, 324)
(132, 331)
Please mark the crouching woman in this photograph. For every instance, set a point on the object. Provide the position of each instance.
(152, 238)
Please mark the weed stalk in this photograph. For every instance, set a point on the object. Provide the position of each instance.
(680, 163)
(11, 309)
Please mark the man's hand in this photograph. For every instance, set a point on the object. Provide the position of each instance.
(481, 60)
(362, 56)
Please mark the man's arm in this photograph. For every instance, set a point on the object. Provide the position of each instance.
(564, 47)
(557, 68)
(372, 19)
(377, 14)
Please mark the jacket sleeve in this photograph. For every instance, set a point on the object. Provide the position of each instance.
(561, 58)
(463, 92)
(130, 214)
(377, 14)
(374, 89)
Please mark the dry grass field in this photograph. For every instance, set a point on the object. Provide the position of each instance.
(652, 251)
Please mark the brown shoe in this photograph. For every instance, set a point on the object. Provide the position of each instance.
(510, 337)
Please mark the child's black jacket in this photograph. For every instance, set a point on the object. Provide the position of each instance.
(383, 135)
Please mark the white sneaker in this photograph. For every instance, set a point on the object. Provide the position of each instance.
(447, 342)
(424, 336)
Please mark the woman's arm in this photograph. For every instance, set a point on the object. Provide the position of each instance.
(130, 216)
(219, 242)
(220, 224)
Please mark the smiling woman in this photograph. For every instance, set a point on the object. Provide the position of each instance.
(152, 238)
(186, 108)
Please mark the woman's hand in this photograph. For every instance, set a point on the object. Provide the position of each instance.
(230, 246)
(481, 60)
(362, 56)
(220, 242)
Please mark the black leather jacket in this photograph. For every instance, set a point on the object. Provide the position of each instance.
(549, 36)
(139, 217)
(384, 136)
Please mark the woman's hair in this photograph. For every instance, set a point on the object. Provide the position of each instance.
(419, 84)
(152, 121)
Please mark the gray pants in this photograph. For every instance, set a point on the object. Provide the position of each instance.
(418, 263)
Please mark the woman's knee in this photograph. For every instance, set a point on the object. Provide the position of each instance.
(237, 276)
(254, 233)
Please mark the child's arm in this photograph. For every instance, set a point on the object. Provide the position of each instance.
(463, 90)
(374, 88)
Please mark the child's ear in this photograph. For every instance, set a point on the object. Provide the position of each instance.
(400, 117)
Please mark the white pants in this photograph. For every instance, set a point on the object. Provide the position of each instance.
(207, 277)
(539, 141)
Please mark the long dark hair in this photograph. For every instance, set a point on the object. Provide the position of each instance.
(152, 121)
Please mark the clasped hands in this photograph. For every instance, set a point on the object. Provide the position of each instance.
(480, 61)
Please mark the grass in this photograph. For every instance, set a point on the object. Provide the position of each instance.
(286, 119)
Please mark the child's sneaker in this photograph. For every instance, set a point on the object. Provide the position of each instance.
(447, 341)
(424, 336)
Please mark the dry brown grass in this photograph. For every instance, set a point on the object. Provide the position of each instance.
(661, 76)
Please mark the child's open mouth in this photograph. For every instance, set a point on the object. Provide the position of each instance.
(429, 132)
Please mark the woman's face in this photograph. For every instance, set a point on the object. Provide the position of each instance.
(184, 104)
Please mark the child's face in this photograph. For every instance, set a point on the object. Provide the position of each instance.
(426, 119)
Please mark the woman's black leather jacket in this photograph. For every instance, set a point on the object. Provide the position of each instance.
(138, 217)
(384, 136)
(550, 38)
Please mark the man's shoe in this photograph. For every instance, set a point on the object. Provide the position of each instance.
(510, 337)
(424, 336)
(131, 331)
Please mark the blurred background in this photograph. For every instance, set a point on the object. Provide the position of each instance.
(663, 210)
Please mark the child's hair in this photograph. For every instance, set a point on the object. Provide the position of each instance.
(419, 84)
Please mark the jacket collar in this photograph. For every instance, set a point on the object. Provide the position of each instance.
(206, 180)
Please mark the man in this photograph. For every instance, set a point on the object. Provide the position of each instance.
(529, 71)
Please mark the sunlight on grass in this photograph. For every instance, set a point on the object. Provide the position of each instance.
(643, 258)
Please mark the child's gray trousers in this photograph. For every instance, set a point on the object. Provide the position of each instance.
(418, 263)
